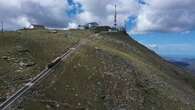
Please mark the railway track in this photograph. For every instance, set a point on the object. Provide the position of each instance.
(37, 79)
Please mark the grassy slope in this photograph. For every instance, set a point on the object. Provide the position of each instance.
(37, 46)
(114, 72)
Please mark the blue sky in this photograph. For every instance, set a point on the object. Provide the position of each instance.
(170, 44)
(166, 26)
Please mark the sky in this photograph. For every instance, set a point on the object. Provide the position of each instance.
(175, 45)
(165, 26)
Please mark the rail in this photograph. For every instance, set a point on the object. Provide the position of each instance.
(28, 86)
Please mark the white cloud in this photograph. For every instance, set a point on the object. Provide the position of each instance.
(21, 13)
(154, 16)
(166, 16)
(102, 11)
(152, 46)
(72, 25)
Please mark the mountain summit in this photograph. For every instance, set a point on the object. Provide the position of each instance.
(110, 71)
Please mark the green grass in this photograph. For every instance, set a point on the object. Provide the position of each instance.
(39, 46)
(110, 71)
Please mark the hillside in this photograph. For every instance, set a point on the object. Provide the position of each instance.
(111, 71)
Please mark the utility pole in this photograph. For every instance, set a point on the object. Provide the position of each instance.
(2, 26)
(125, 25)
(115, 17)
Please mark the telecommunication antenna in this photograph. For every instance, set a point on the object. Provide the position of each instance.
(115, 17)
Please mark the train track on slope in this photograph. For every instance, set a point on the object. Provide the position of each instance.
(7, 104)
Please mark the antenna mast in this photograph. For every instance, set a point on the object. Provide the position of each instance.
(115, 17)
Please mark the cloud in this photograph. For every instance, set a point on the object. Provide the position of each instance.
(148, 15)
(21, 13)
(152, 46)
(102, 11)
(166, 16)
(72, 26)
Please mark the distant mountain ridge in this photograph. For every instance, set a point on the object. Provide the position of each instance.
(187, 63)
(179, 63)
